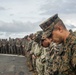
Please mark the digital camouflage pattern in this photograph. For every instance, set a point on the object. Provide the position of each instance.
(61, 59)
(68, 56)
(48, 25)
(53, 59)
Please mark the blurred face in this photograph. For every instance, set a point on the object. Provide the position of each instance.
(46, 42)
(57, 36)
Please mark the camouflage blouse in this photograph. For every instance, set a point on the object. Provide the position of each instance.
(68, 56)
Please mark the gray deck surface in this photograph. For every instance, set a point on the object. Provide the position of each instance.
(13, 65)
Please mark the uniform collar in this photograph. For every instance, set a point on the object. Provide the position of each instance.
(68, 39)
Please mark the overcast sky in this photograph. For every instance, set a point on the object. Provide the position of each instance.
(21, 17)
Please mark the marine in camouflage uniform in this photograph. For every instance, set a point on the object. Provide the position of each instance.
(0, 45)
(44, 60)
(67, 63)
(4, 49)
(32, 52)
(18, 45)
(54, 58)
(10, 46)
(51, 56)
(36, 55)
(28, 55)
(23, 43)
(39, 62)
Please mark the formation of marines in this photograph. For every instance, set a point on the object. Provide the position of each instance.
(11, 46)
(51, 51)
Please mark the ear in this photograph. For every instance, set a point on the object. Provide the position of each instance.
(60, 29)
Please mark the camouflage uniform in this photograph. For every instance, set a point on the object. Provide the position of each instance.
(37, 53)
(67, 57)
(3, 50)
(23, 43)
(68, 63)
(44, 58)
(39, 65)
(0, 45)
(18, 46)
(28, 55)
(10, 43)
(32, 52)
(38, 62)
(51, 59)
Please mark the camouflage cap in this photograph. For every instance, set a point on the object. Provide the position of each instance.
(46, 34)
(49, 23)
(43, 36)
(38, 36)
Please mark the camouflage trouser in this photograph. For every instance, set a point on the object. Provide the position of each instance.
(18, 50)
(34, 64)
(29, 61)
(39, 67)
(10, 50)
(45, 69)
(3, 50)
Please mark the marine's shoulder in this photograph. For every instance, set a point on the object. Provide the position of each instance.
(73, 39)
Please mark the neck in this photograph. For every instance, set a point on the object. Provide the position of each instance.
(66, 34)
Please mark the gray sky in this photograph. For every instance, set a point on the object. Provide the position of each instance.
(21, 17)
